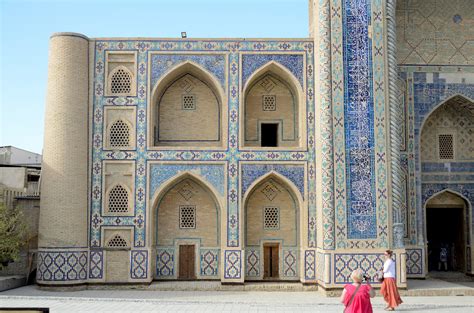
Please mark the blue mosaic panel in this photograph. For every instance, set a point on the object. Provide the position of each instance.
(415, 261)
(253, 262)
(233, 264)
(165, 263)
(310, 264)
(359, 120)
(209, 262)
(293, 62)
(290, 263)
(139, 264)
(212, 173)
(96, 264)
(251, 172)
(345, 264)
(62, 265)
(214, 63)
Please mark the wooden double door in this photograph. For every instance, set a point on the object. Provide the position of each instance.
(271, 260)
(186, 262)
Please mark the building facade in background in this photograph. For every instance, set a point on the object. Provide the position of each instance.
(296, 159)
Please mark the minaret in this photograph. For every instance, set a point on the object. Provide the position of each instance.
(62, 246)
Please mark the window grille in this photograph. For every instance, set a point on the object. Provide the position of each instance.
(118, 200)
(119, 135)
(269, 103)
(117, 242)
(187, 217)
(446, 146)
(121, 82)
(189, 102)
(271, 218)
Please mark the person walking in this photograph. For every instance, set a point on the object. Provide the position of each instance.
(389, 288)
(356, 296)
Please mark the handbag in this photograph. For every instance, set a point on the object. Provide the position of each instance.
(352, 298)
(379, 277)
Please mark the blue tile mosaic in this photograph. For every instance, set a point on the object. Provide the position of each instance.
(162, 63)
(359, 121)
(212, 173)
(293, 62)
(251, 172)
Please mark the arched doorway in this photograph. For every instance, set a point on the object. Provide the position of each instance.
(272, 230)
(447, 232)
(273, 108)
(446, 158)
(186, 230)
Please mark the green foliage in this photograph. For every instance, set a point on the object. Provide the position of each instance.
(13, 233)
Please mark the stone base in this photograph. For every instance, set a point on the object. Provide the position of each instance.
(10, 282)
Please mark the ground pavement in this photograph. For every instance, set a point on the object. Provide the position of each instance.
(210, 301)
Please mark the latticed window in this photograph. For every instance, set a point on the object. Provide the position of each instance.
(187, 217)
(269, 103)
(117, 242)
(446, 146)
(271, 218)
(121, 82)
(118, 200)
(189, 102)
(119, 135)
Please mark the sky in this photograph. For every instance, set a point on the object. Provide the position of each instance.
(27, 24)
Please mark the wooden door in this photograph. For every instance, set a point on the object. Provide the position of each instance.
(186, 262)
(270, 261)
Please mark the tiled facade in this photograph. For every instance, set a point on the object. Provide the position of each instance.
(338, 174)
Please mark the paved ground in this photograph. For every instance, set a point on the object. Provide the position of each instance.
(209, 301)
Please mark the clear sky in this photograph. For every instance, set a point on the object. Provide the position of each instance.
(27, 24)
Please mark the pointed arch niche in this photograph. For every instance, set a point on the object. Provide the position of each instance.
(272, 230)
(273, 109)
(186, 109)
(186, 225)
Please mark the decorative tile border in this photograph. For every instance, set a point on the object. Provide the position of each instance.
(139, 264)
(96, 264)
(62, 265)
(310, 264)
(415, 261)
(233, 264)
(165, 267)
(209, 262)
(344, 264)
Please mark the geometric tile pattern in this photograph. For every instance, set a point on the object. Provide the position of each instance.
(165, 263)
(139, 264)
(209, 262)
(415, 261)
(344, 264)
(96, 264)
(62, 265)
(233, 264)
(290, 263)
(222, 59)
(310, 264)
(253, 262)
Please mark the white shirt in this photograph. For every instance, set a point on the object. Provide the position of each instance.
(389, 269)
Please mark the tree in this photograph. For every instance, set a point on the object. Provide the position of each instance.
(13, 232)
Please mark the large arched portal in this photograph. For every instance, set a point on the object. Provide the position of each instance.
(272, 230)
(447, 232)
(187, 230)
(447, 155)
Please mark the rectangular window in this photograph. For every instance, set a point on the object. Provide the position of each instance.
(271, 218)
(446, 146)
(269, 103)
(189, 102)
(269, 135)
(187, 217)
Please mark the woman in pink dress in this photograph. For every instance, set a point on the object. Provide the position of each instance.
(356, 296)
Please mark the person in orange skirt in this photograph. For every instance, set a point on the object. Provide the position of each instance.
(389, 288)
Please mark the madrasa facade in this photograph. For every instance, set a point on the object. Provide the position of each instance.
(239, 160)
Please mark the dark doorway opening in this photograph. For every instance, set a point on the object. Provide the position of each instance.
(269, 134)
(446, 239)
(186, 262)
(271, 261)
